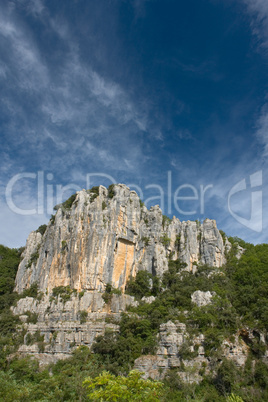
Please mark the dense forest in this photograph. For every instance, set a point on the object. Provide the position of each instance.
(105, 372)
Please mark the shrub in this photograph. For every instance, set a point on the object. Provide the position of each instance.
(32, 317)
(111, 191)
(165, 240)
(131, 388)
(34, 257)
(81, 294)
(69, 203)
(83, 316)
(165, 220)
(141, 285)
(109, 291)
(141, 203)
(42, 229)
(94, 193)
(9, 261)
(32, 291)
(64, 246)
(64, 292)
(52, 218)
(145, 240)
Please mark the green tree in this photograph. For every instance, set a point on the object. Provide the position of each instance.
(141, 285)
(108, 387)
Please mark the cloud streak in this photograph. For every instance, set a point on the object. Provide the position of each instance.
(258, 9)
(74, 106)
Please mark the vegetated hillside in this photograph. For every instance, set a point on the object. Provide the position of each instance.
(202, 334)
(240, 306)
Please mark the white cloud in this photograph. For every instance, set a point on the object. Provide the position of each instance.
(262, 128)
(25, 65)
(258, 9)
(75, 103)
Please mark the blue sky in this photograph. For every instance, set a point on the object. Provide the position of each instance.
(167, 96)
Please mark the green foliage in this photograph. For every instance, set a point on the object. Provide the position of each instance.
(109, 387)
(24, 381)
(32, 317)
(83, 316)
(111, 191)
(52, 218)
(65, 206)
(34, 338)
(32, 291)
(9, 261)
(10, 335)
(117, 351)
(34, 257)
(64, 292)
(11, 390)
(109, 291)
(248, 279)
(178, 242)
(141, 203)
(165, 220)
(165, 240)
(104, 205)
(81, 294)
(240, 300)
(8, 322)
(68, 203)
(141, 285)
(240, 242)
(223, 235)
(234, 398)
(145, 240)
(227, 376)
(41, 229)
(185, 352)
(94, 193)
(64, 246)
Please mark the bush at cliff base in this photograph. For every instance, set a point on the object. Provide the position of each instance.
(108, 387)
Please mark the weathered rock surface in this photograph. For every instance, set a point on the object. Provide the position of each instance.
(102, 240)
(236, 350)
(148, 299)
(175, 342)
(60, 323)
(202, 298)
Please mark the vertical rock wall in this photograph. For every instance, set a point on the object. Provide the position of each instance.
(106, 238)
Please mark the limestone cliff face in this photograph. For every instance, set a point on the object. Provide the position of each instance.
(172, 337)
(106, 238)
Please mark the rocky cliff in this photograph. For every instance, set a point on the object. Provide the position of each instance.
(105, 235)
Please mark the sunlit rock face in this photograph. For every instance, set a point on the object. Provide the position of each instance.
(106, 238)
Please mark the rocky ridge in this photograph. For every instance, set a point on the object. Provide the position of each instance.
(105, 236)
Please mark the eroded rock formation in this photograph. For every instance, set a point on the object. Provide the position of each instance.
(106, 238)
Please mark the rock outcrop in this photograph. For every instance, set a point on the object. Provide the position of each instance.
(106, 237)
(98, 237)
(177, 350)
(62, 326)
(202, 298)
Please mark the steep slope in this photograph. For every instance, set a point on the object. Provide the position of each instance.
(104, 235)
